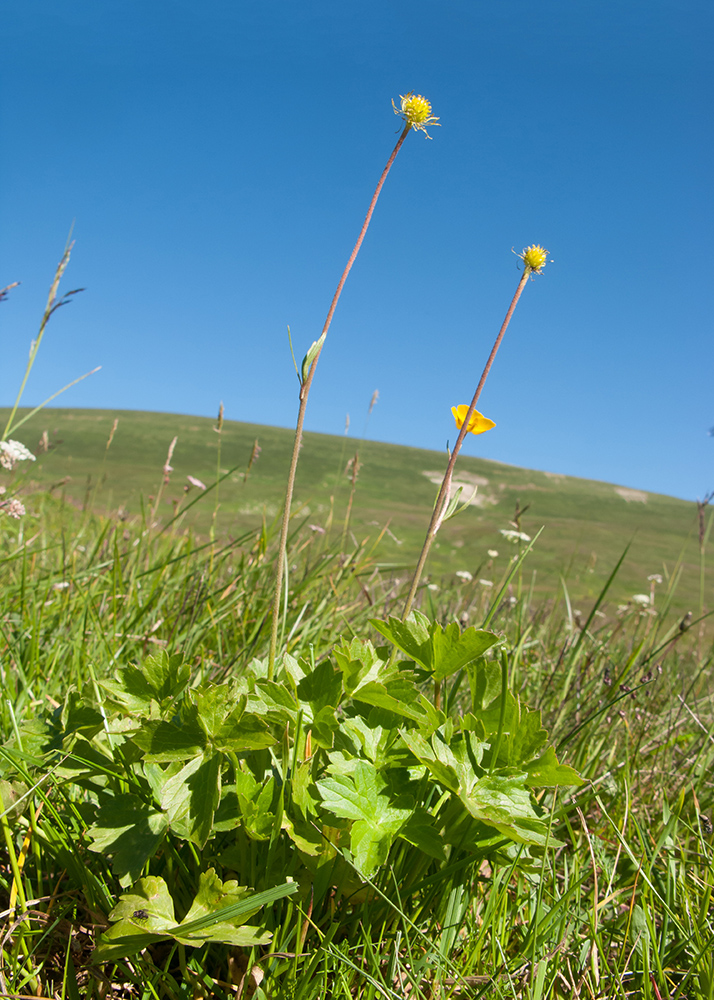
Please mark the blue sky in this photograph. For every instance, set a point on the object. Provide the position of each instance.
(218, 160)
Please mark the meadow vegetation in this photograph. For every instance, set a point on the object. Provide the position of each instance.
(245, 755)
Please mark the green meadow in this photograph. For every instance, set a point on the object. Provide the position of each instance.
(507, 794)
(586, 525)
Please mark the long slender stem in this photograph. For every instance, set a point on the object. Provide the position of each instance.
(304, 393)
(443, 497)
(49, 309)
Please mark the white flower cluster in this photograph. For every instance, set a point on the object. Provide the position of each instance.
(13, 508)
(643, 600)
(514, 536)
(12, 452)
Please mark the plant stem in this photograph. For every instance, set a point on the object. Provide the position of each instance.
(304, 393)
(49, 309)
(443, 497)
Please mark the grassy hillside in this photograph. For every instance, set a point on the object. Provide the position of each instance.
(587, 524)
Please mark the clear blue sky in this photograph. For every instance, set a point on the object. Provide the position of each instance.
(219, 158)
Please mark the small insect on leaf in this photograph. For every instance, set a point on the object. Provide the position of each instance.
(140, 914)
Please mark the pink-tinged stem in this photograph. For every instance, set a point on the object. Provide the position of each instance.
(443, 497)
(304, 393)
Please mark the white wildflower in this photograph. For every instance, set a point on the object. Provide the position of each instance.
(432, 586)
(12, 452)
(486, 583)
(196, 482)
(655, 578)
(60, 586)
(317, 528)
(463, 574)
(13, 508)
(515, 536)
(493, 553)
(643, 600)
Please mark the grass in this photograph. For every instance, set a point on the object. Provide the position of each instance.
(587, 523)
(622, 908)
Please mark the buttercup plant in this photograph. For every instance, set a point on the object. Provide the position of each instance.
(469, 420)
(415, 111)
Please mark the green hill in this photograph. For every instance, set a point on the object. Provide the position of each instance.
(587, 524)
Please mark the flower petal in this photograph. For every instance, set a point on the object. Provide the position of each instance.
(477, 422)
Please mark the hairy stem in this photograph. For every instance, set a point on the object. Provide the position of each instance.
(304, 393)
(442, 499)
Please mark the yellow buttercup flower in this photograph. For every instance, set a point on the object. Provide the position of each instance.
(416, 112)
(477, 422)
(534, 257)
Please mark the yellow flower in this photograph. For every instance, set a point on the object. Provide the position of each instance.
(534, 257)
(416, 112)
(477, 422)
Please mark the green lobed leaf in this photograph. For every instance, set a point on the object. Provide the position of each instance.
(129, 832)
(13, 798)
(243, 732)
(546, 772)
(440, 650)
(214, 703)
(143, 916)
(256, 804)
(322, 687)
(213, 900)
(168, 676)
(364, 797)
(191, 796)
(164, 741)
(358, 662)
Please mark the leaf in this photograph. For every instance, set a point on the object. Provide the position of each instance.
(363, 797)
(191, 796)
(546, 772)
(213, 897)
(312, 353)
(167, 676)
(243, 732)
(373, 681)
(324, 726)
(10, 793)
(501, 801)
(453, 649)
(143, 917)
(358, 661)
(146, 915)
(131, 691)
(256, 805)
(78, 718)
(504, 802)
(420, 830)
(129, 832)
(484, 681)
(442, 651)
(411, 636)
(322, 687)
(274, 701)
(163, 741)
(523, 735)
(215, 703)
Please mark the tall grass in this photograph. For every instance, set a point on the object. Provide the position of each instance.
(621, 908)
